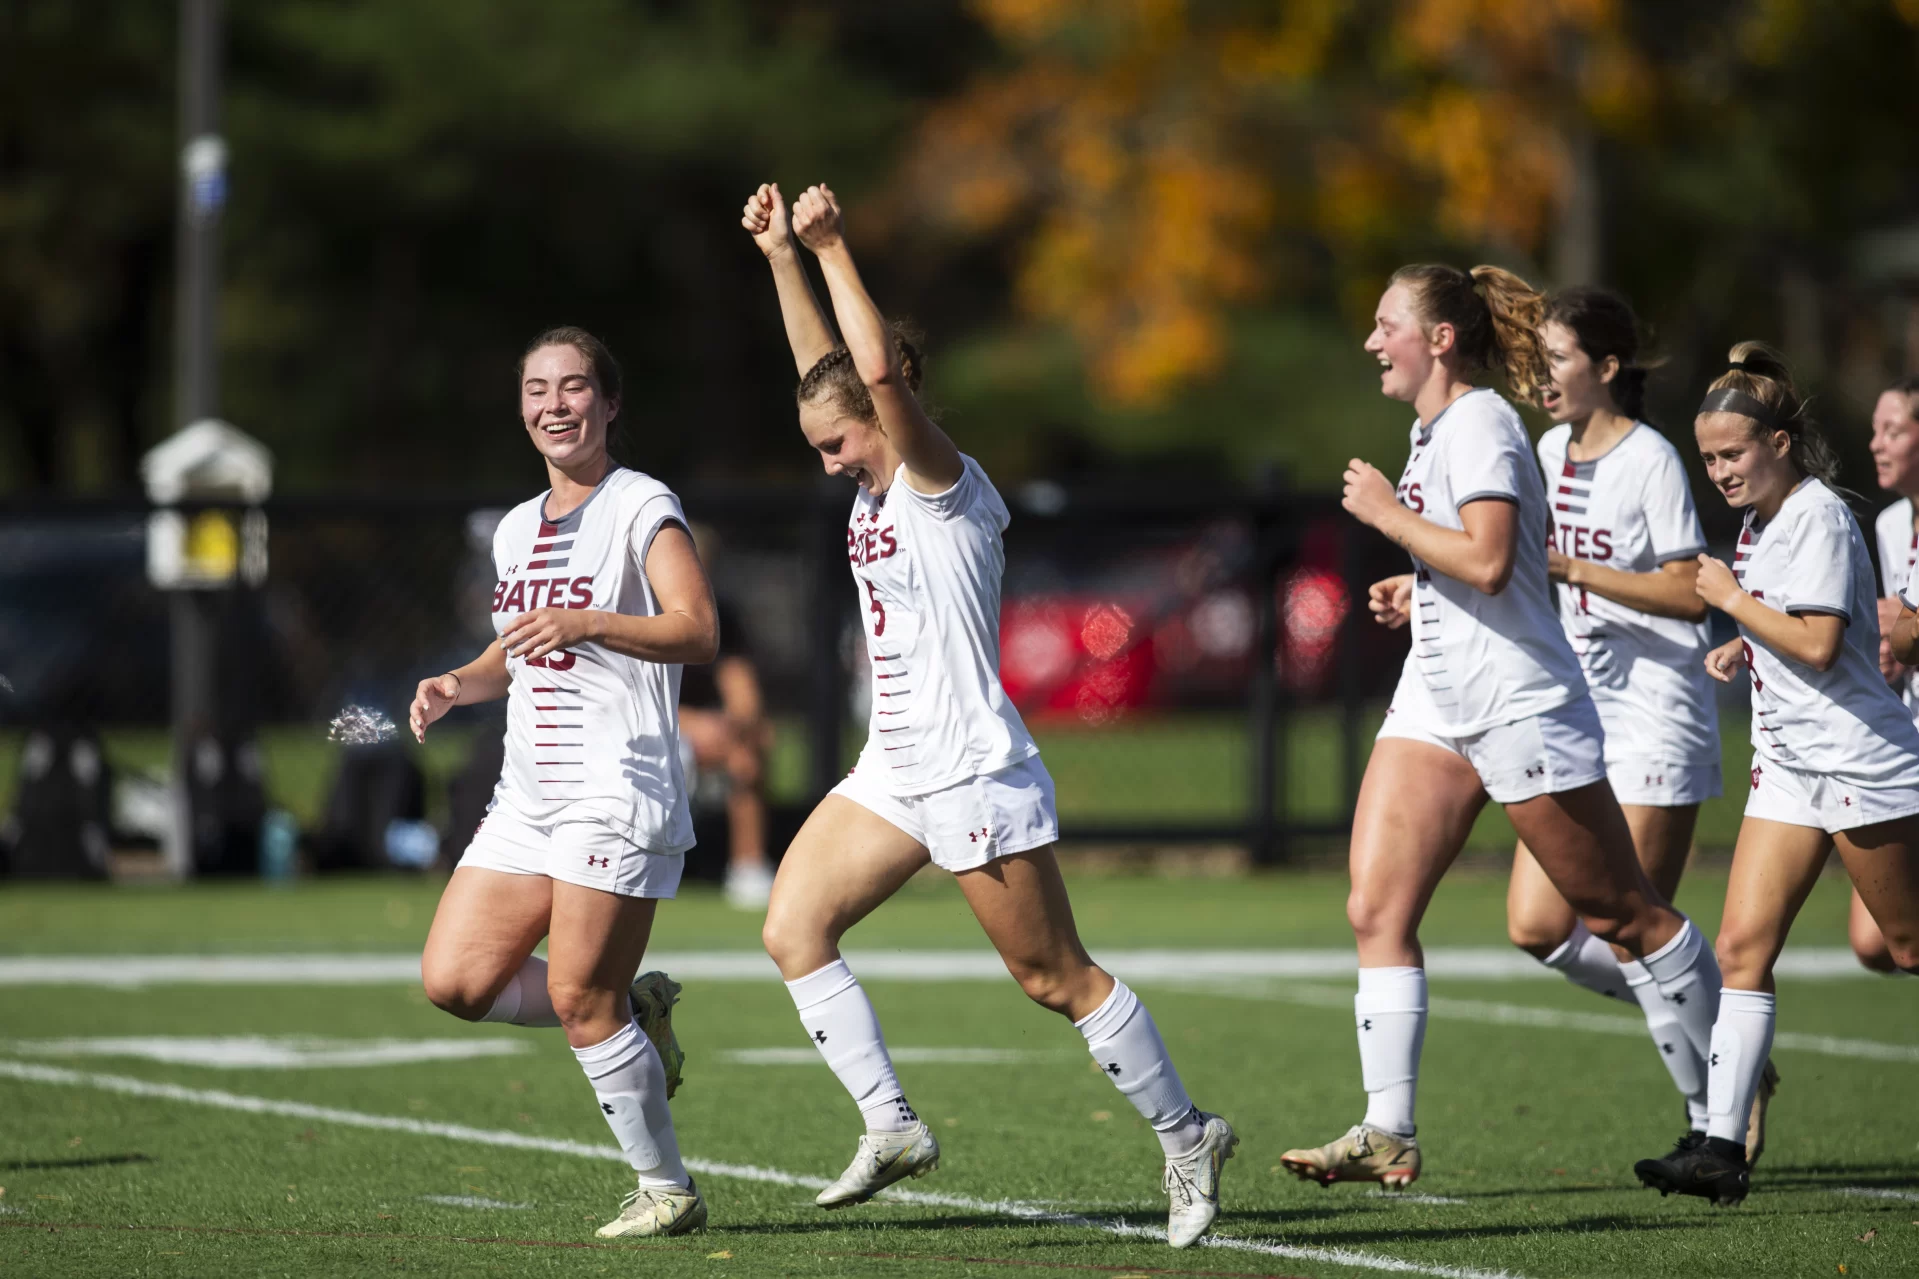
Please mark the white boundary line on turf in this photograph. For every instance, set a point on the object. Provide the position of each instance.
(1874, 1192)
(1499, 1014)
(34, 1073)
(1483, 963)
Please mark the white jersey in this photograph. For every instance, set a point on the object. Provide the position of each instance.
(928, 568)
(1843, 722)
(1631, 509)
(1898, 556)
(591, 733)
(1479, 660)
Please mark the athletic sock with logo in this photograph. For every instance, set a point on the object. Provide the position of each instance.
(1390, 1012)
(1125, 1044)
(523, 1001)
(630, 1083)
(1589, 962)
(1741, 1043)
(839, 1018)
(1683, 1062)
(1688, 980)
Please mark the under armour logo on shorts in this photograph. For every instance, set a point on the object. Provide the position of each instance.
(1755, 779)
(591, 860)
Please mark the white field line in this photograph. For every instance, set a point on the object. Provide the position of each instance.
(1874, 1192)
(1410, 1197)
(1499, 1014)
(1484, 963)
(263, 1052)
(469, 1201)
(916, 1056)
(34, 1073)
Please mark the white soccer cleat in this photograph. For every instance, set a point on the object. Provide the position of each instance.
(657, 1211)
(882, 1159)
(1756, 1120)
(1365, 1153)
(749, 887)
(1192, 1182)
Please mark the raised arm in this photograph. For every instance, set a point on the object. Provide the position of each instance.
(932, 460)
(1481, 554)
(1809, 638)
(807, 331)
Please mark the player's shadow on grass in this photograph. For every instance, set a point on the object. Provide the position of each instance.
(92, 1161)
(1578, 1225)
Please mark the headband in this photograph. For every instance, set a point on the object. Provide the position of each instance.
(1731, 401)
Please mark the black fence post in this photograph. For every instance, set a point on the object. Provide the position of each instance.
(1263, 836)
(826, 706)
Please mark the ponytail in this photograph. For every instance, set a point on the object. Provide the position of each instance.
(1495, 317)
(1758, 385)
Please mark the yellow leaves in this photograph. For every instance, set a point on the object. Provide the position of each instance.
(1501, 169)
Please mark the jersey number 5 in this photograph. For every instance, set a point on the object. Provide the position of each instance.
(878, 610)
(558, 660)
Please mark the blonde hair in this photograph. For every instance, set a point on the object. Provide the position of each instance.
(1759, 374)
(1495, 317)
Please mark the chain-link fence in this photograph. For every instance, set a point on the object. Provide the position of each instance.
(1131, 633)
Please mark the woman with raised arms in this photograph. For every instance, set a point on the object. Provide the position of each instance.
(1625, 548)
(1491, 703)
(1835, 755)
(949, 773)
(601, 599)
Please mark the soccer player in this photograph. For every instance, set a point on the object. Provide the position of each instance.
(1895, 456)
(1835, 755)
(601, 599)
(1625, 547)
(949, 773)
(1491, 703)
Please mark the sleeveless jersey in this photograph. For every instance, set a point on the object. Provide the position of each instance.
(928, 569)
(1898, 555)
(1631, 509)
(591, 733)
(1481, 660)
(1843, 722)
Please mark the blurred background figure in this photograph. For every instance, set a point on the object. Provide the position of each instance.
(725, 732)
(1895, 461)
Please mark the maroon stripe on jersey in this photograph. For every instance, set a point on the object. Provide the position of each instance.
(886, 657)
(897, 728)
(894, 675)
(574, 691)
(556, 726)
(549, 529)
(897, 693)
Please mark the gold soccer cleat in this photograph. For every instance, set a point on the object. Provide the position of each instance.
(1363, 1154)
(657, 1211)
(653, 995)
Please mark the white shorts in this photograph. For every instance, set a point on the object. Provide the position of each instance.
(1799, 798)
(970, 823)
(589, 853)
(1560, 750)
(1653, 783)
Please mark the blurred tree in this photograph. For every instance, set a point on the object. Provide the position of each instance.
(1164, 163)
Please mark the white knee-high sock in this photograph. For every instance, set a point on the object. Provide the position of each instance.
(1688, 978)
(839, 1018)
(1587, 961)
(630, 1083)
(1683, 1062)
(524, 1000)
(1125, 1043)
(1390, 1013)
(1741, 1042)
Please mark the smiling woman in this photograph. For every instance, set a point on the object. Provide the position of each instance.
(601, 598)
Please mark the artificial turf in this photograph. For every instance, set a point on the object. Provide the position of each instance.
(1529, 1131)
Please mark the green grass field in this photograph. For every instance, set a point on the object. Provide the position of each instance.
(1148, 769)
(115, 1162)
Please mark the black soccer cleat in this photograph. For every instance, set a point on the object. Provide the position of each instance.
(1697, 1166)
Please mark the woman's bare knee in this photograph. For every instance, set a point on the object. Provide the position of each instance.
(1374, 918)
(797, 946)
(456, 992)
(1065, 988)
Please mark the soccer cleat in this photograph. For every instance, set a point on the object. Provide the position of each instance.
(1192, 1182)
(657, 1211)
(653, 995)
(882, 1159)
(1365, 1153)
(1695, 1168)
(1756, 1123)
(749, 887)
